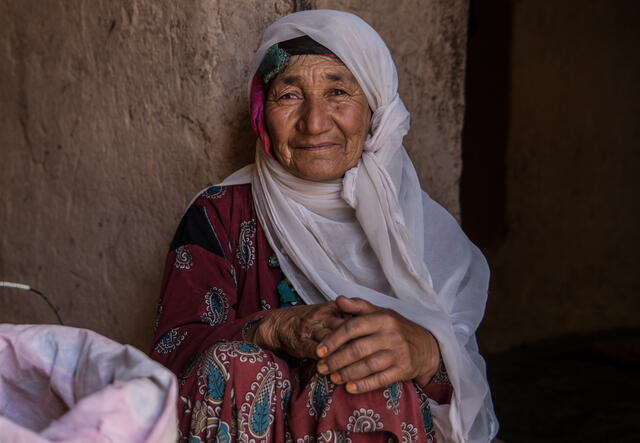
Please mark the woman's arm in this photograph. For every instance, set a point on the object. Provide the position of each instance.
(209, 291)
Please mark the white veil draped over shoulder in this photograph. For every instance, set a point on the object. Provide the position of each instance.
(375, 234)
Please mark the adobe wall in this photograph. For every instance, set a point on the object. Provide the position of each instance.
(115, 113)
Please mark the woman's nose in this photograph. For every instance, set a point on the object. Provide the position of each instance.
(315, 117)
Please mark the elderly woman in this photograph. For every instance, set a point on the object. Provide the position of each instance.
(319, 294)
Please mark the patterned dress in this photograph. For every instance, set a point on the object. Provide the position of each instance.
(221, 275)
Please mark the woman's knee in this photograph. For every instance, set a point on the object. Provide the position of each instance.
(235, 358)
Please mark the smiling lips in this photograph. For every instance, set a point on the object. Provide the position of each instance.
(316, 146)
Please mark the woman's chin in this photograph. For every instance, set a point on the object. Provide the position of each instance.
(319, 170)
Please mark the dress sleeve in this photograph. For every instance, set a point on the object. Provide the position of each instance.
(199, 303)
(439, 387)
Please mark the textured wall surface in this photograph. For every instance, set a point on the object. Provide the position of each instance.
(115, 113)
(569, 261)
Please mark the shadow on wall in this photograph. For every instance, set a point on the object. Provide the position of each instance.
(549, 191)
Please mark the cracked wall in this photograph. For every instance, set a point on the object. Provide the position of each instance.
(115, 113)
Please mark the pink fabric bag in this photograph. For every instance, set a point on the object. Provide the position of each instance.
(63, 384)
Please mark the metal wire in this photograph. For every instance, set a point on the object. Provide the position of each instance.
(23, 287)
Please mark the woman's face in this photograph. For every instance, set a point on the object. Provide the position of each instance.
(317, 117)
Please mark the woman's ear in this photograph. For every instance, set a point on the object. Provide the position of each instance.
(266, 141)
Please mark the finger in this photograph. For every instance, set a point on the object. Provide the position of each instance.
(353, 351)
(326, 319)
(372, 364)
(324, 309)
(333, 323)
(349, 330)
(355, 305)
(375, 381)
(304, 348)
(319, 334)
(312, 327)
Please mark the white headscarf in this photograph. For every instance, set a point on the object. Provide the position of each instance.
(375, 234)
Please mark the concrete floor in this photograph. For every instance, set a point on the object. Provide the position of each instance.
(573, 389)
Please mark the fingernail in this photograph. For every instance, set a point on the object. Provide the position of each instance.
(322, 351)
(351, 387)
(322, 368)
(335, 378)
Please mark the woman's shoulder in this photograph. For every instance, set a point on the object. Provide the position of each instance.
(224, 195)
(212, 215)
(225, 203)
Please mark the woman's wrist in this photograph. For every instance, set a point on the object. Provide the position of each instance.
(435, 359)
(264, 333)
(249, 330)
(424, 379)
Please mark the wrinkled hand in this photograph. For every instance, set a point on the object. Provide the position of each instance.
(375, 348)
(297, 330)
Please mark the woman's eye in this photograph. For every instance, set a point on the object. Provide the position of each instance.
(338, 92)
(288, 96)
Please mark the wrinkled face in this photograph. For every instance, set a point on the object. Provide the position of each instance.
(317, 117)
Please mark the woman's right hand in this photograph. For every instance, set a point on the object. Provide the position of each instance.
(297, 330)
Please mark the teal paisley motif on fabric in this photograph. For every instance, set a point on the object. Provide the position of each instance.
(260, 413)
(217, 307)
(319, 401)
(427, 419)
(223, 433)
(215, 382)
(245, 347)
(288, 296)
(392, 393)
(215, 192)
(319, 396)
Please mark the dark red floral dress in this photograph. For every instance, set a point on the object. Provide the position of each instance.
(221, 274)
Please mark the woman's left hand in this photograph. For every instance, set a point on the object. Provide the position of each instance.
(375, 348)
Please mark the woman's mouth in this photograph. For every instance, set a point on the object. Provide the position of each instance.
(316, 146)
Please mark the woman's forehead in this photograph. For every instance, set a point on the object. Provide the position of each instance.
(304, 67)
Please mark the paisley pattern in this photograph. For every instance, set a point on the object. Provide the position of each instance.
(246, 250)
(260, 410)
(183, 260)
(330, 436)
(319, 400)
(215, 192)
(427, 418)
(217, 307)
(170, 341)
(257, 412)
(230, 390)
(243, 393)
(364, 420)
(223, 435)
(409, 433)
(441, 377)
(393, 393)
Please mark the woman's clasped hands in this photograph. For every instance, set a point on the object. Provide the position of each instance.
(355, 342)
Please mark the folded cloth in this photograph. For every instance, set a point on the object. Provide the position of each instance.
(63, 384)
